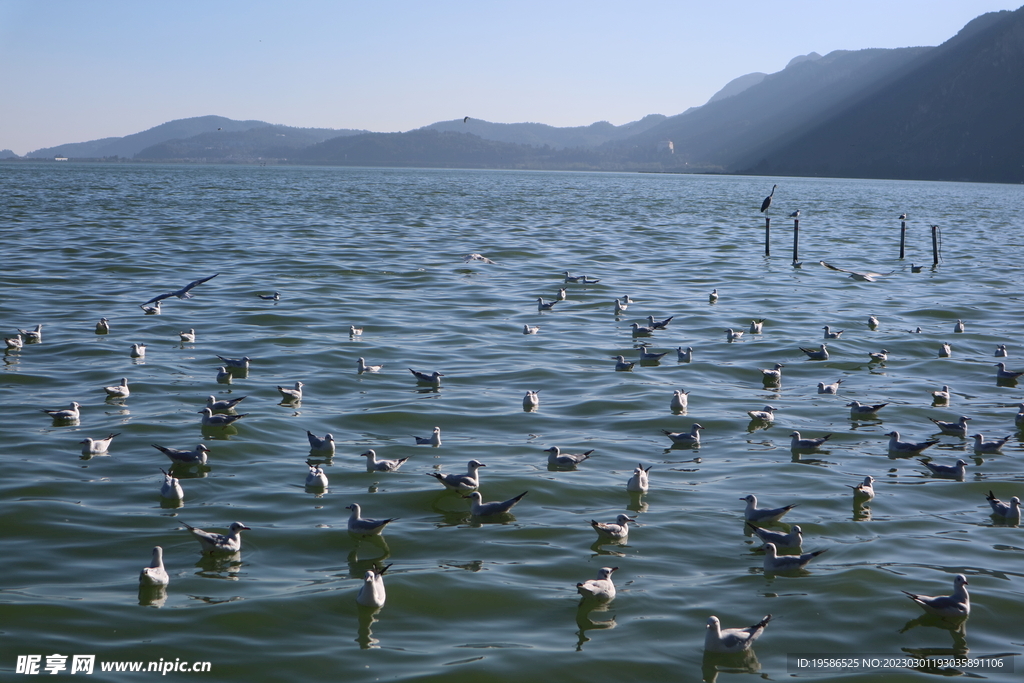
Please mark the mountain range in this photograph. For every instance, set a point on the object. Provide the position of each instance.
(951, 112)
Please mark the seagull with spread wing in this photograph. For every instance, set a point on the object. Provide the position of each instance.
(863, 277)
(182, 293)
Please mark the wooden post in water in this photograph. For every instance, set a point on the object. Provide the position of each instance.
(935, 245)
(903, 239)
(767, 236)
(796, 239)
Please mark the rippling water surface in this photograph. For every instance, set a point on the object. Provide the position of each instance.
(496, 601)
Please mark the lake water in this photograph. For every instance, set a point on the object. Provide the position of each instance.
(496, 601)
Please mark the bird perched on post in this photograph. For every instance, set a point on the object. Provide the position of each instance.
(768, 200)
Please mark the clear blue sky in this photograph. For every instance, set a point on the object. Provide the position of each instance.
(74, 71)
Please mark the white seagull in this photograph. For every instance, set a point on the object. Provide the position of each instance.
(600, 588)
(1001, 351)
(562, 294)
(182, 293)
(589, 281)
(372, 593)
(959, 327)
(224, 375)
(767, 414)
(97, 446)
(138, 351)
(659, 324)
(943, 395)
(291, 395)
(622, 364)
(363, 367)
(1003, 373)
(318, 445)
(872, 322)
(680, 400)
(620, 307)
(119, 390)
(155, 574)
(773, 562)
(957, 471)
(188, 337)
(572, 278)
(470, 481)
(862, 277)
(684, 356)
(752, 513)
(558, 459)
(957, 605)
(241, 363)
(733, 335)
(641, 331)
(69, 414)
(906, 448)
(316, 479)
(227, 404)
(219, 543)
(945, 351)
(14, 343)
(354, 331)
(639, 483)
(151, 310)
(475, 257)
(773, 376)
(829, 388)
(829, 334)
(713, 296)
(276, 296)
(648, 356)
(798, 443)
(375, 465)
(821, 353)
(1008, 511)
(364, 526)
(433, 440)
(616, 531)
(793, 539)
(32, 336)
(864, 490)
(690, 438)
(532, 400)
(732, 640)
(481, 509)
(530, 329)
(171, 488)
(958, 428)
(219, 420)
(879, 356)
(195, 457)
(993, 446)
(433, 378)
(863, 411)
(542, 306)
(103, 326)
(756, 326)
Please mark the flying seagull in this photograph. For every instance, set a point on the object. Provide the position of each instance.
(863, 277)
(182, 293)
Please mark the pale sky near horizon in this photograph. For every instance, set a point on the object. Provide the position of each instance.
(75, 71)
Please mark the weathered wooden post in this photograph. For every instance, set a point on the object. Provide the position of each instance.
(767, 236)
(796, 239)
(935, 245)
(903, 238)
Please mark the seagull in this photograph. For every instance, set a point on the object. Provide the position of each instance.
(276, 296)
(917, 331)
(1003, 373)
(945, 351)
(182, 293)
(118, 391)
(982, 446)
(219, 420)
(765, 415)
(155, 574)
(372, 593)
(532, 400)
(627, 300)
(959, 327)
(528, 329)
(820, 353)
(541, 306)
(958, 428)
(690, 438)
(291, 395)
(879, 357)
(957, 471)
(196, 457)
(620, 307)
(829, 334)
(1001, 351)
(375, 465)
(151, 310)
(32, 336)
(638, 483)
(641, 331)
(461, 482)
(862, 277)
(433, 378)
(70, 413)
(220, 543)
(242, 363)
(14, 342)
(897, 447)
(732, 640)
(354, 331)
(558, 459)
(659, 324)
(773, 376)
(732, 336)
(795, 214)
(562, 294)
(752, 513)
(103, 326)
(622, 364)
(138, 351)
(829, 388)
(188, 337)
(600, 588)
(589, 281)
(480, 509)
(864, 490)
(800, 444)
(617, 531)
(316, 479)
(872, 322)
(224, 375)
(227, 404)
(572, 278)
(863, 412)
(914, 268)
(679, 400)
(768, 200)
(786, 563)
(363, 526)
(794, 539)
(903, 216)
(97, 446)
(363, 367)
(756, 326)
(646, 355)
(713, 296)
(943, 395)
(684, 356)
(171, 488)
(957, 605)
(1008, 511)
(433, 440)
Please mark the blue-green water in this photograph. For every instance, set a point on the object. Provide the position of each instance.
(382, 249)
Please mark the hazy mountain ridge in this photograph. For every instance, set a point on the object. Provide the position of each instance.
(541, 134)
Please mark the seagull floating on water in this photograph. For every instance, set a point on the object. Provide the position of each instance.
(864, 490)
(773, 562)
(943, 395)
(194, 457)
(821, 353)
(433, 378)
(752, 513)
(793, 539)
(155, 574)
(659, 324)
(14, 343)
(530, 329)
(184, 292)
(690, 438)
(224, 375)
(959, 327)
(562, 294)
(470, 481)
(1008, 511)
(767, 414)
(572, 278)
(365, 526)
(375, 465)
(372, 593)
(773, 376)
(732, 640)
(879, 356)
(363, 367)
(639, 482)
(138, 351)
(756, 326)
(188, 337)
(829, 388)
(354, 331)
(291, 395)
(859, 411)
(558, 459)
(906, 448)
(872, 322)
(713, 296)
(171, 488)
(316, 479)
(829, 334)
(480, 509)
(276, 296)
(797, 443)
(32, 336)
(1001, 351)
(241, 363)
(958, 428)
(219, 543)
(957, 471)
(118, 391)
(684, 356)
(957, 605)
(993, 446)
(680, 400)
(97, 446)
(862, 277)
(532, 400)
(542, 306)
(945, 351)
(620, 307)
(622, 364)
(103, 326)
(733, 335)
(1003, 373)
(433, 440)
(227, 404)
(589, 281)
(151, 310)
(600, 588)
(641, 331)
(616, 531)
(648, 356)
(71, 413)
(219, 420)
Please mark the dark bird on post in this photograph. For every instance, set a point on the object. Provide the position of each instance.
(768, 200)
